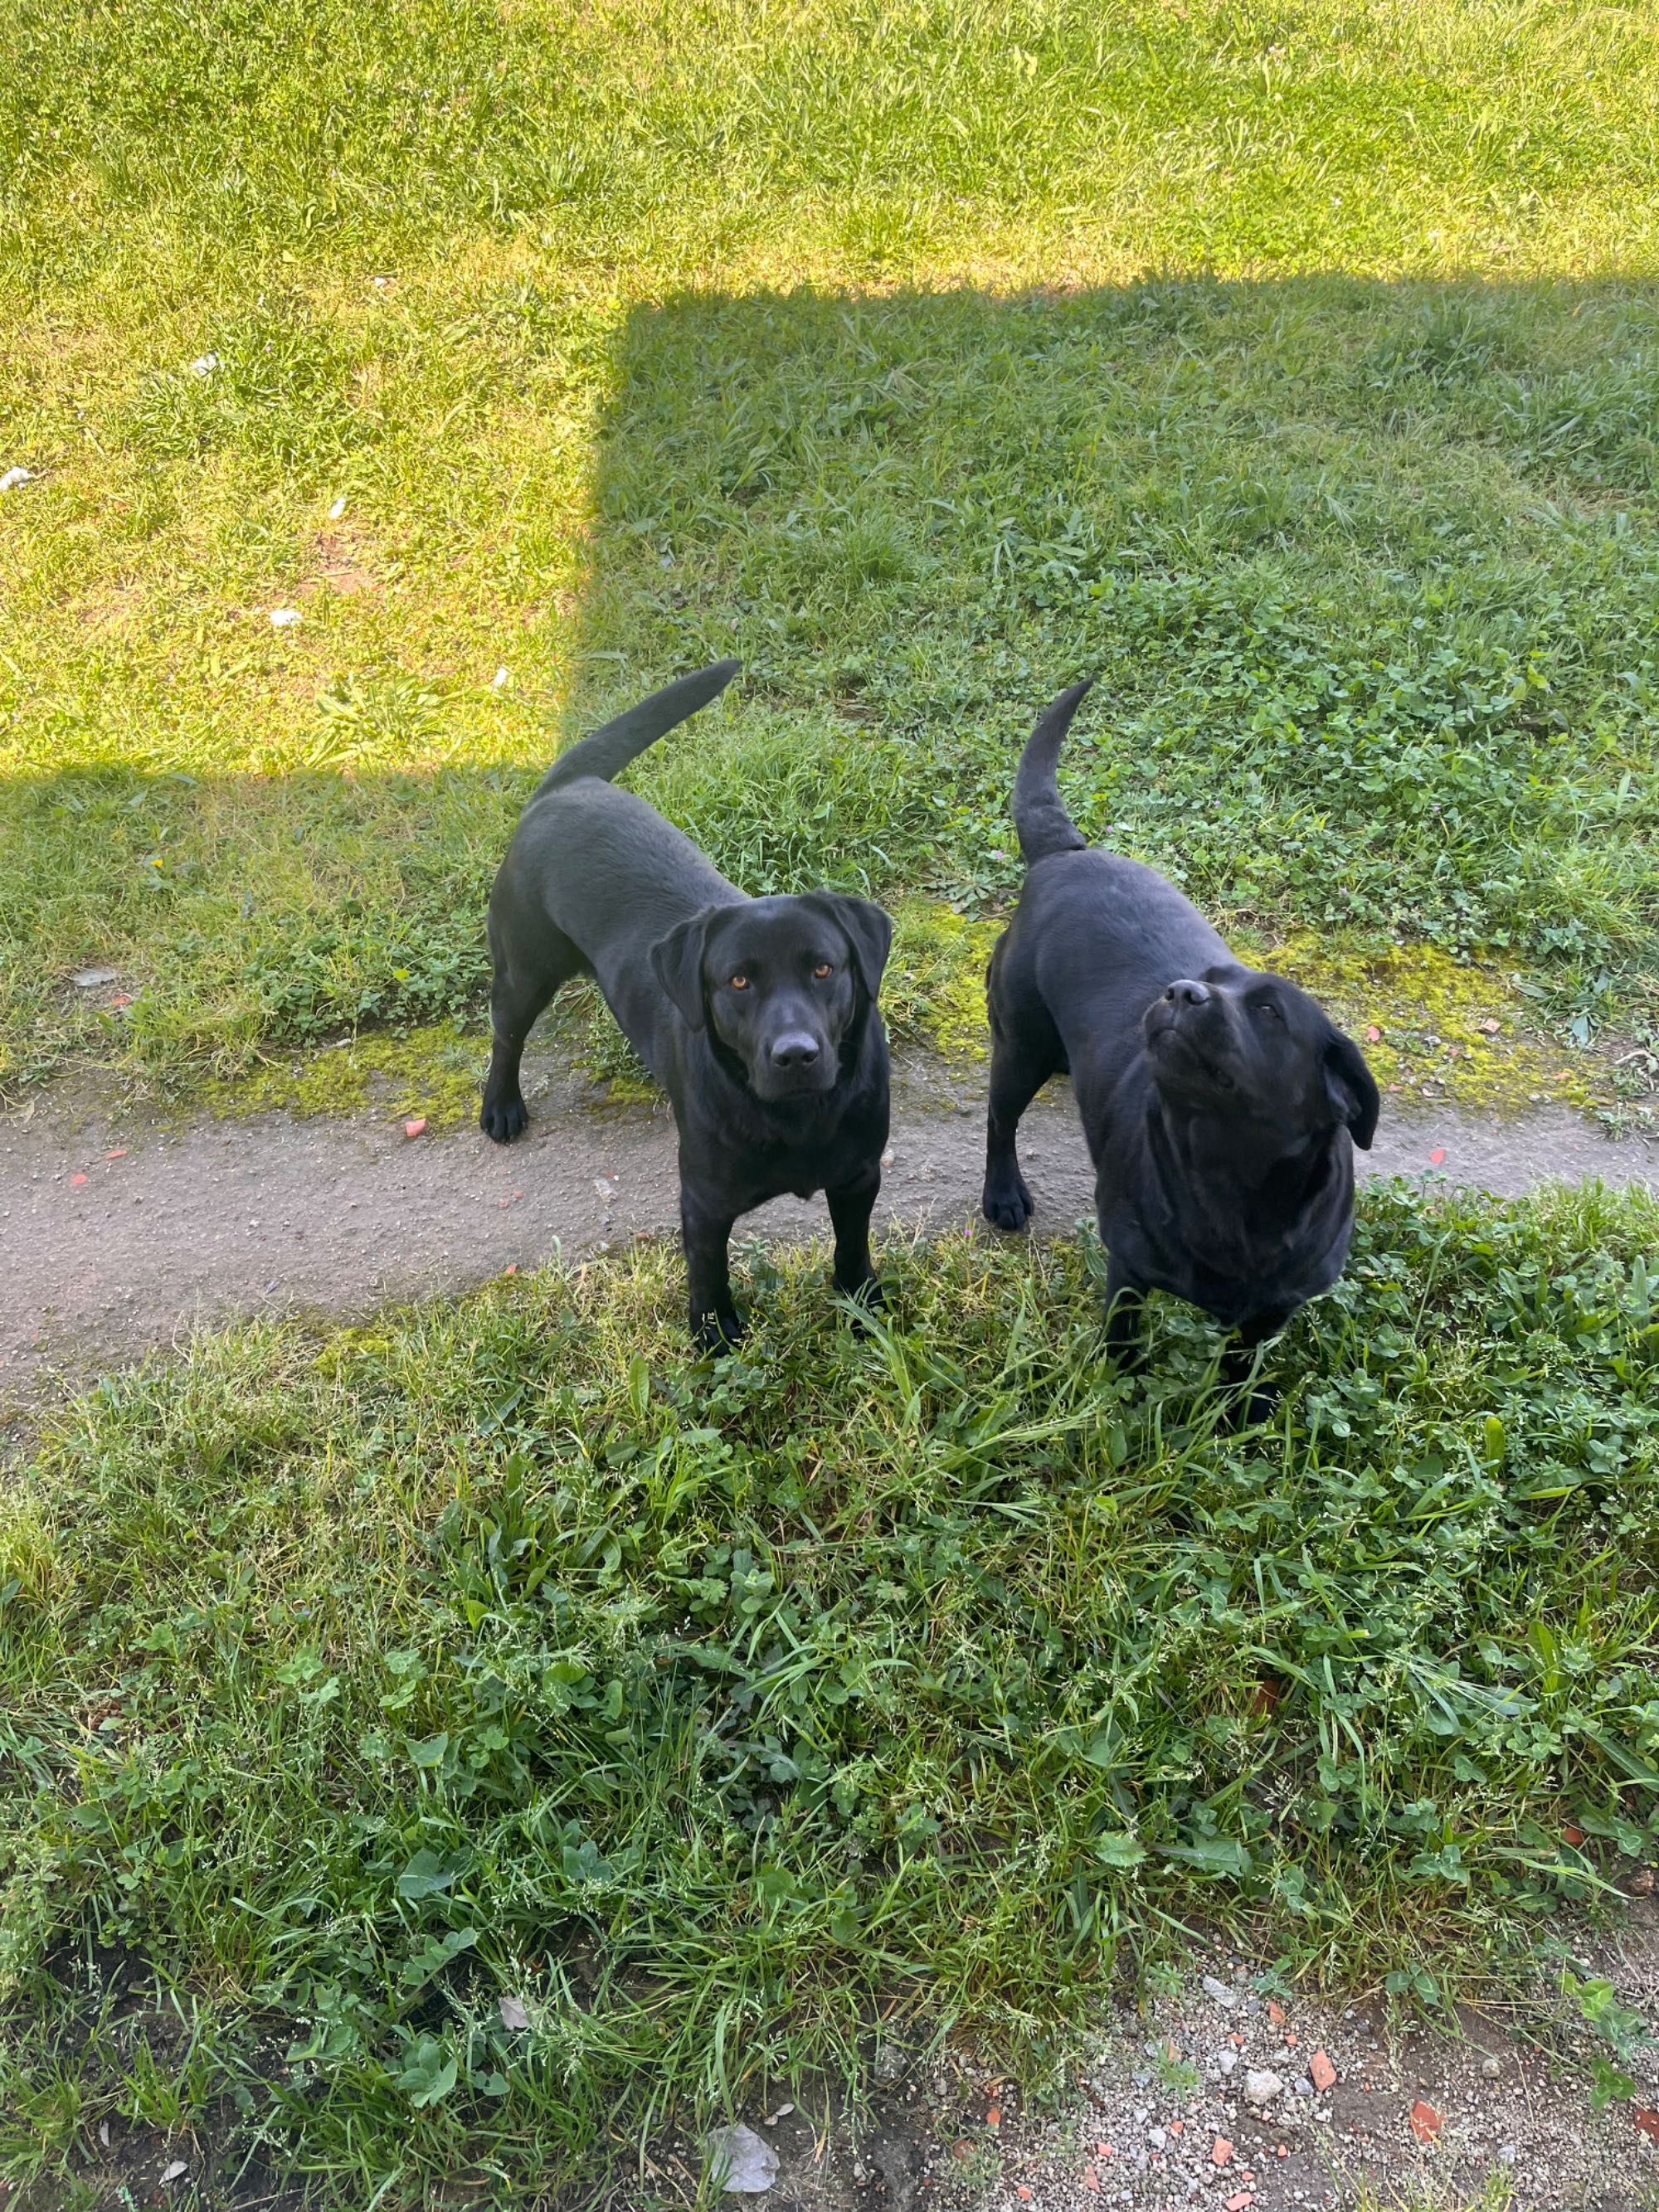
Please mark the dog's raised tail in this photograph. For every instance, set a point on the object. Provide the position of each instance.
(608, 750)
(1042, 823)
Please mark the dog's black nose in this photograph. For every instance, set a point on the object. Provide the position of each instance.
(1188, 994)
(796, 1050)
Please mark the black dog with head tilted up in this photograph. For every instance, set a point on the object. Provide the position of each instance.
(1220, 1104)
(758, 1017)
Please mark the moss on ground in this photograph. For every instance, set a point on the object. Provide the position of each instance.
(433, 1072)
(934, 992)
(1433, 1029)
(1438, 1029)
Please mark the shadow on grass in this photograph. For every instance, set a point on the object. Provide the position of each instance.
(1366, 572)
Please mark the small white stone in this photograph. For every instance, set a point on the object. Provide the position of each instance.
(15, 479)
(204, 364)
(337, 510)
(1226, 2060)
(1156, 2137)
(1223, 1996)
(176, 2172)
(514, 2016)
(746, 2166)
(1261, 2086)
(499, 681)
(284, 618)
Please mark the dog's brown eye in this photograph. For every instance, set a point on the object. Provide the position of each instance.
(740, 982)
(821, 970)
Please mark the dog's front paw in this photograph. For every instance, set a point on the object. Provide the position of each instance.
(503, 1119)
(1252, 1398)
(1008, 1204)
(717, 1332)
(1263, 1403)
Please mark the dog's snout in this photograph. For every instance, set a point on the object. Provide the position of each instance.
(1187, 993)
(795, 1051)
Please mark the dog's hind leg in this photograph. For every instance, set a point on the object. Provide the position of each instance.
(526, 975)
(850, 1207)
(1020, 1065)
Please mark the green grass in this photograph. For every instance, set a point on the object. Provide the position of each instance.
(352, 1682)
(1292, 369)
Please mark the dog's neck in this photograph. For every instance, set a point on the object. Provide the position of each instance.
(1194, 1151)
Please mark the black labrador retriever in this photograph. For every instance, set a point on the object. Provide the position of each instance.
(758, 1017)
(1221, 1104)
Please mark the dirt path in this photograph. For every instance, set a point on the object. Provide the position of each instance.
(120, 1236)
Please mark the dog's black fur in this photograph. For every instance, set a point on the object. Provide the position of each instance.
(1221, 1104)
(758, 1017)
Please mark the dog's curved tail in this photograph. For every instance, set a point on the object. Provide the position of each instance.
(607, 752)
(1041, 820)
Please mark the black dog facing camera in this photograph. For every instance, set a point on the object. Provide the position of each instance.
(1221, 1104)
(758, 1017)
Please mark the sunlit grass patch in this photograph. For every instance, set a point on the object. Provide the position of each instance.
(833, 343)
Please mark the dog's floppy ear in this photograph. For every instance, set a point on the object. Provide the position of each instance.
(869, 930)
(1352, 1088)
(677, 962)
